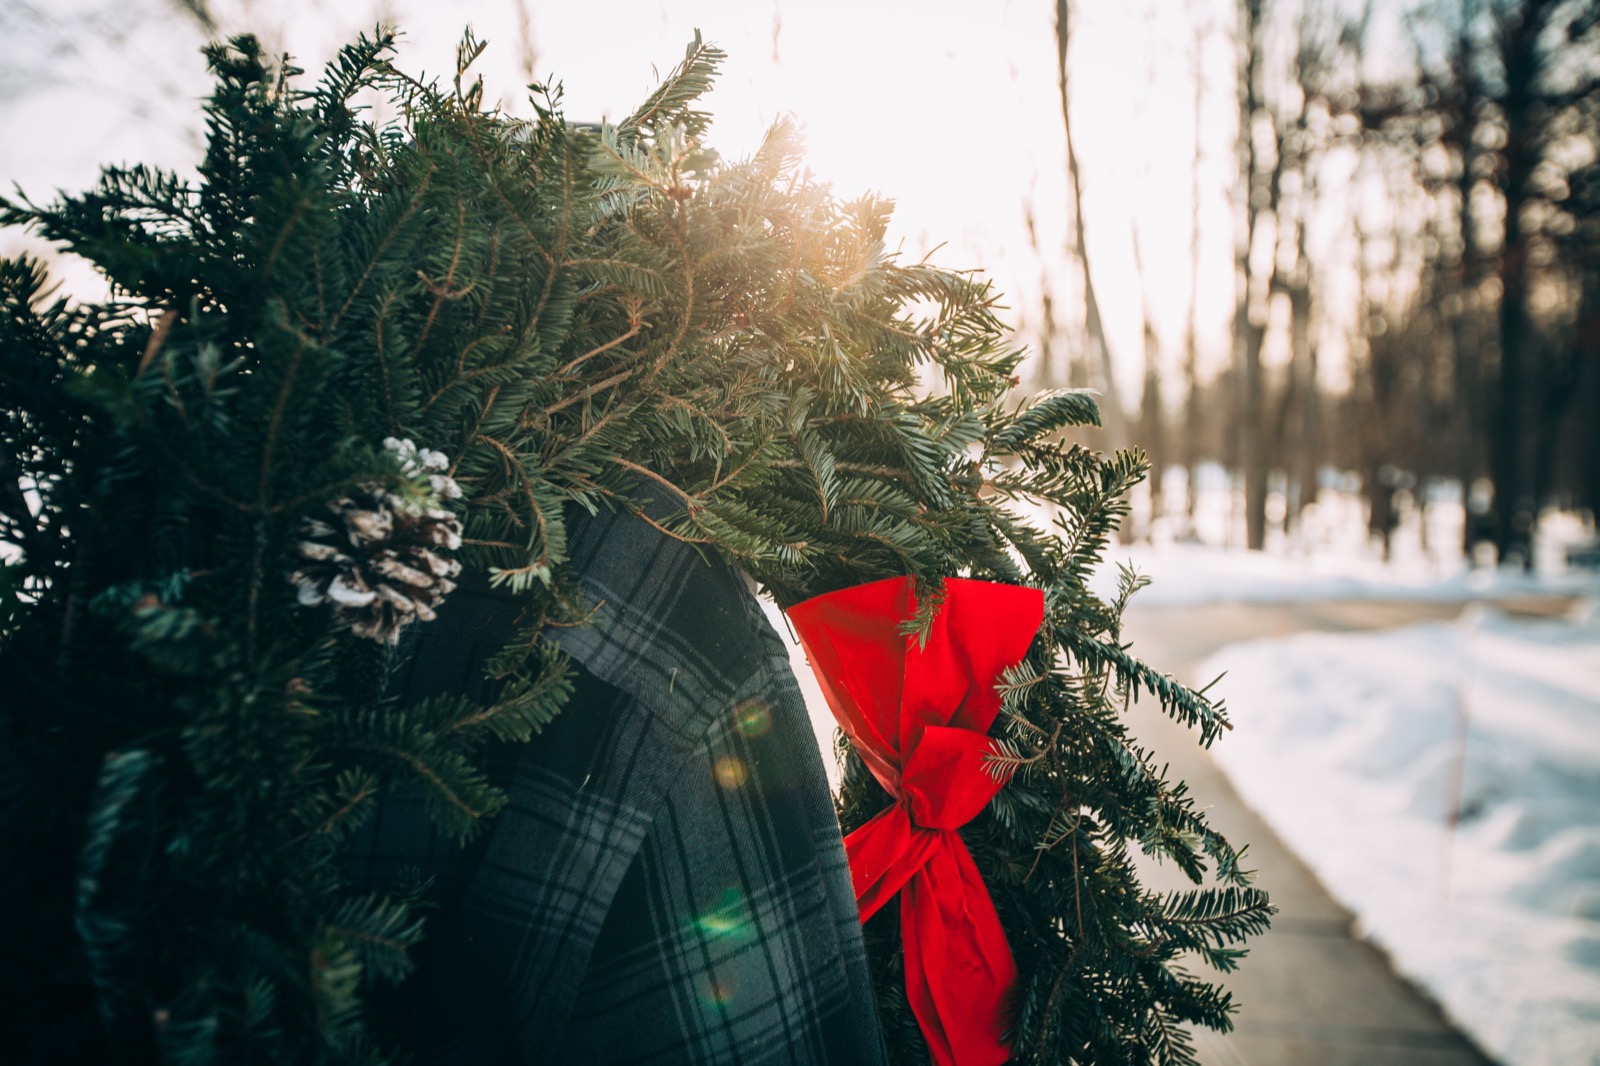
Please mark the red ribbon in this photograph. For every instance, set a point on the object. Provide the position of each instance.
(919, 718)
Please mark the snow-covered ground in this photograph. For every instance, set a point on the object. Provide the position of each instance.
(1444, 783)
(1330, 555)
(1442, 780)
(1189, 574)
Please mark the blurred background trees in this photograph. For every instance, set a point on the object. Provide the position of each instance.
(1447, 153)
(1467, 160)
(1490, 350)
(1299, 246)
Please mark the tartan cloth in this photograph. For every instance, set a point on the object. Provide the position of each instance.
(667, 882)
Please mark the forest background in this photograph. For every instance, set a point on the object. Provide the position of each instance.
(1305, 247)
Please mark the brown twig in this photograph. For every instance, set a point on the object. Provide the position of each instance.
(690, 503)
(615, 379)
(158, 340)
(422, 770)
(635, 323)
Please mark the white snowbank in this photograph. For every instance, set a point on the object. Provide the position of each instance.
(1358, 749)
(1189, 574)
(1330, 555)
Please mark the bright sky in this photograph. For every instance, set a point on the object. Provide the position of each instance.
(947, 106)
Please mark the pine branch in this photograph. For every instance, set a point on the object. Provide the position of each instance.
(568, 318)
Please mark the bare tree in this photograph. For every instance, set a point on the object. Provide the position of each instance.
(1299, 146)
(1112, 412)
(1252, 200)
(1191, 344)
(528, 53)
(1502, 120)
(1152, 418)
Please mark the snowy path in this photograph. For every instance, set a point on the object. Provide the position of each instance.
(1310, 992)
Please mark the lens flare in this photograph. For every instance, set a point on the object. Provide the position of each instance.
(753, 718)
(720, 993)
(729, 918)
(731, 772)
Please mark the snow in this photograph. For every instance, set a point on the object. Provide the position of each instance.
(1330, 555)
(1358, 749)
(1193, 574)
(1442, 780)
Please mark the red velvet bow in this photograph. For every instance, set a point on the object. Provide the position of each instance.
(918, 717)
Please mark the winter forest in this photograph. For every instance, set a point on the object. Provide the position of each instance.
(1331, 266)
(1310, 245)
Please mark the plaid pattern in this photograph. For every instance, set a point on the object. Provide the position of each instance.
(667, 883)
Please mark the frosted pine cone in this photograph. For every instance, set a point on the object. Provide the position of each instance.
(425, 461)
(380, 558)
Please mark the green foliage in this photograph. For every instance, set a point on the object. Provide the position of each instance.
(615, 318)
(1100, 956)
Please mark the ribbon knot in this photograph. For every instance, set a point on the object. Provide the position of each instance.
(919, 718)
(945, 783)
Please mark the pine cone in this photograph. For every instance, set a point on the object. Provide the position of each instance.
(380, 560)
(424, 460)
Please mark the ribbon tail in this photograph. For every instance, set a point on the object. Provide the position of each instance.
(884, 854)
(958, 964)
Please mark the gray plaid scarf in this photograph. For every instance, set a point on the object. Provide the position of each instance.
(667, 883)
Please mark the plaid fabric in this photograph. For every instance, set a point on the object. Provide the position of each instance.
(667, 883)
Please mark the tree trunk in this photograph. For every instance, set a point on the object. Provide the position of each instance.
(1152, 437)
(1049, 374)
(1112, 413)
(1467, 341)
(1247, 334)
(1152, 431)
(1191, 355)
(1514, 509)
(1303, 355)
(1559, 384)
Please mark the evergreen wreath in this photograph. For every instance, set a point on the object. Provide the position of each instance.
(356, 356)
